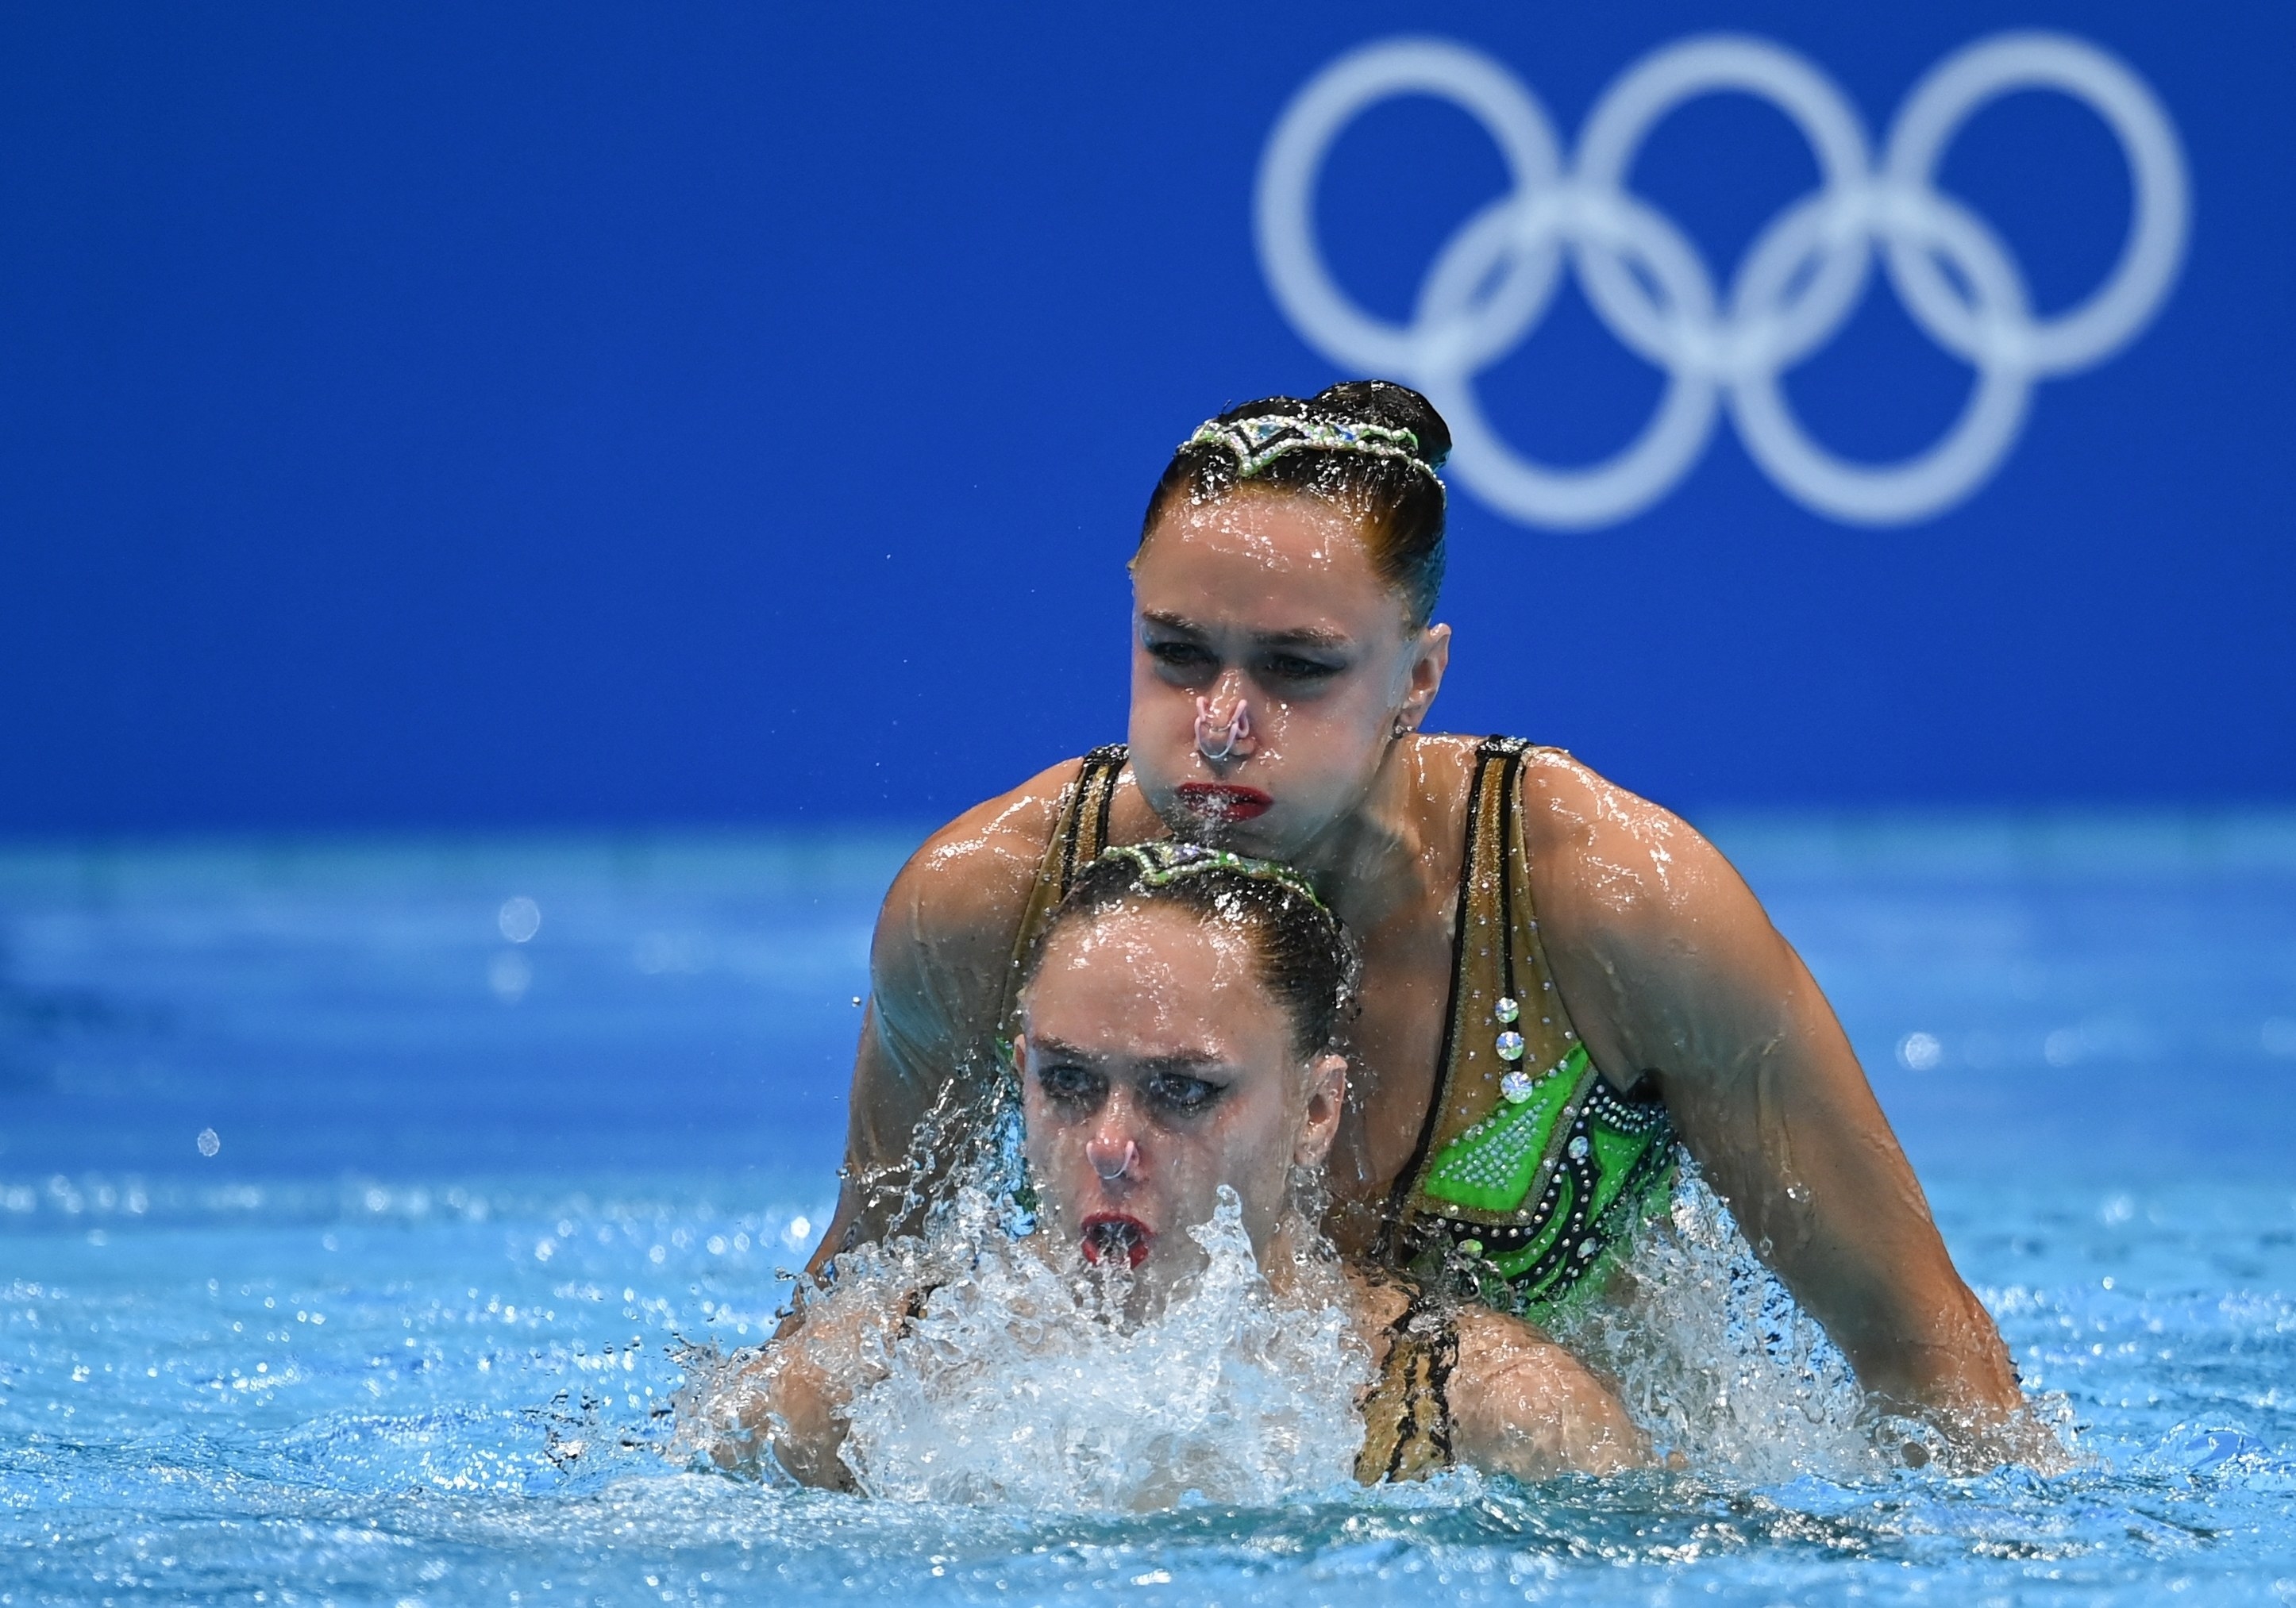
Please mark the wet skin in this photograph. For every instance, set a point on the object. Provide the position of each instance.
(1668, 966)
(1155, 1068)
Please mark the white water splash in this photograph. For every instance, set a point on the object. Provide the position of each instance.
(1005, 1391)
(1716, 1361)
(1015, 1385)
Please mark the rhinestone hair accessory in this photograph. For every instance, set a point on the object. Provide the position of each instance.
(1256, 443)
(1166, 860)
(1163, 861)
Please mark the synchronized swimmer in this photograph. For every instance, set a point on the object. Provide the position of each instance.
(1562, 986)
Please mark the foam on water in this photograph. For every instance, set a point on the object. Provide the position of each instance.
(1011, 1389)
(1712, 1357)
(1015, 1385)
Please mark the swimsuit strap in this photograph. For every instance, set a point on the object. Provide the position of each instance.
(1079, 833)
(1407, 1411)
(1530, 1167)
(1479, 895)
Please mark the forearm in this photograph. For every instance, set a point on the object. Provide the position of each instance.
(1928, 1346)
(1807, 1161)
(791, 1403)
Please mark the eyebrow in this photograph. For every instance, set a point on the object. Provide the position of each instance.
(1058, 1050)
(1306, 636)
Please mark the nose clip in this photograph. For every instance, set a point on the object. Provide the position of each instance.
(1217, 740)
(1099, 1155)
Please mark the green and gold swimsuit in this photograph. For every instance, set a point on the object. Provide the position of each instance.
(1531, 1168)
(1531, 1171)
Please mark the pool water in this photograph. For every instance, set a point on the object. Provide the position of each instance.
(350, 1210)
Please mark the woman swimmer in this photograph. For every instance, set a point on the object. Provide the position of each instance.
(1561, 979)
(1178, 1013)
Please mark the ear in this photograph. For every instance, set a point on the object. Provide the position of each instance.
(1428, 663)
(1319, 1124)
(1020, 1056)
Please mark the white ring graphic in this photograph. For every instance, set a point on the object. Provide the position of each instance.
(1799, 281)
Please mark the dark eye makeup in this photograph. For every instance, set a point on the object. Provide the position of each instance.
(1071, 1085)
(1181, 1094)
(1180, 654)
(1291, 667)
(1171, 1093)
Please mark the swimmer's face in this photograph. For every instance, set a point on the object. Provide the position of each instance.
(1156, 1066)
(1271, 598)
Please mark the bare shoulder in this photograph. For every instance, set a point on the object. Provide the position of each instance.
(1603, 857)
(1664, 955)
(1492, 1342)
(1378, 1304)
(946, 931)
(982, 863)
(1523, 1405)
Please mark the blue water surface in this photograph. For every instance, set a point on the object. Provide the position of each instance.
(405, 1336)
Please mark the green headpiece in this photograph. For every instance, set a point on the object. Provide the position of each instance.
(1256, 443)
(1166, 860)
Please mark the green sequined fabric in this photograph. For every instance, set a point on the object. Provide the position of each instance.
(1534, 1171)
(1613, 1166)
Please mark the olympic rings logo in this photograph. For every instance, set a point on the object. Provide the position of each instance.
(1800, 280)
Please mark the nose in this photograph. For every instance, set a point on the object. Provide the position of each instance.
(1112, 1156)
(1223, 722)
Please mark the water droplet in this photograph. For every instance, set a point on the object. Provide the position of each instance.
(519, 918)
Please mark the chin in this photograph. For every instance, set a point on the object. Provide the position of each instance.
(1216, 834)
(1219, 830)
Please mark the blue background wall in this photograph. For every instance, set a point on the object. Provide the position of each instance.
(412, 415)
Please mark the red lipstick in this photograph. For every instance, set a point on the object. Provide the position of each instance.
(1222, 801)
(1114, 1234)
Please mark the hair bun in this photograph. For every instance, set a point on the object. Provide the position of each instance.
(1396, 497)
(1398, 407)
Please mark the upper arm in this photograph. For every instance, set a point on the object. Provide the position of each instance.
(938, 968)
(1671, 967)
(943, 947)
(1667, 961)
